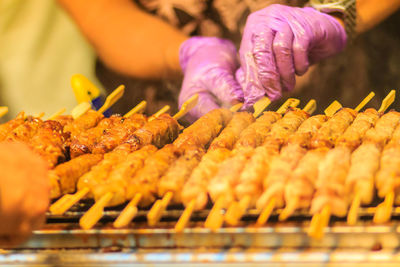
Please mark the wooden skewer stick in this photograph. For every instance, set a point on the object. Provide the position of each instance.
(158, 113)
(95, 213)
(319, 222)
(352, 216)
(112, 98)
(39, 115)
(80, 109)
(266, 212)
(237, 107)
(332, 108)
(156, 211)
(68, 200)
(128, 213)
(236, 211)
(187, 106)
(215, 219)
(3, 111)
(384, 210)
(318, 230)
(58, 113)
(260, 106)
(185, 217)
(139, 108)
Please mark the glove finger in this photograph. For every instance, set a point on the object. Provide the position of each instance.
(266, 64)
(205, 104)
(300, 52)
(282, 46)
(225, 87)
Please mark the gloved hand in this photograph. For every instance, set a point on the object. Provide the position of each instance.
(281, 41)
(24, 192)
(209, 66)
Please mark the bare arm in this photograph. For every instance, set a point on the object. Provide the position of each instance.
(372, 12)
(127, 39)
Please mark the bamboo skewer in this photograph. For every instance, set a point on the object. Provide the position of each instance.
(236, 210)
(352, 217)
(58, 113)
(94, 214)
(215, 218)
(156, 211)
(3, 111)
(316, 230)
(139, 108)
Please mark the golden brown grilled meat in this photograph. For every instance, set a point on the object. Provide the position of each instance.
(365, 160)
(330, 184)
(120, 176)
(279, 173)
(203, 131)
(190, 143)
(300, 187)
(25, 131)
(118, 133)
(306, 130)
(157, 132)
(388, 176)
(49, 142)
(176, 176)
(283, 129)
(353, 135)
(64, 119)
(154, 167)
(363, 167)
(255, 134)
(98, 174)
(68, 173)
(88, 120)
(274, 139)
(222, 184)
(230, 134)
(383, 130)
(9, 126)
(333, 128)
(85, 141)
(196, 186)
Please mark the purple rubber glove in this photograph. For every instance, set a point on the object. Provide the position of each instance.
(281, 41)
(209, 66)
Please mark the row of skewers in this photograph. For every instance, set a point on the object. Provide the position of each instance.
(330, 164)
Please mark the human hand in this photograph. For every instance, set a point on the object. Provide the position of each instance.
(24, 193)
(209, 66)
(281, 41)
